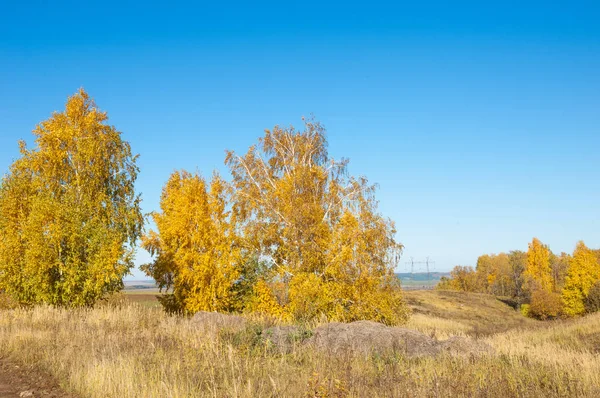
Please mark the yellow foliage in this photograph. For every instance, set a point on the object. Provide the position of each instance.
(264, 301)
(584, 272)
(309, 297)
(69, 215)
(299, 239)
(544, 304)
(537, 270)
(317, 227)
(195, 249)
(462, 278)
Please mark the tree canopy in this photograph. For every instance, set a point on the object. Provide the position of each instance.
(69, 214)
(305, 238)
(194, 248)
(583, 273)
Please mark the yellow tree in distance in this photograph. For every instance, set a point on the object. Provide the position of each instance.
(537, 270)
(69, 214)
(583, 273)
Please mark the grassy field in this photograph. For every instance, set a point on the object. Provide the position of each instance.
(144, 297)
(133, 349)
(459, 313)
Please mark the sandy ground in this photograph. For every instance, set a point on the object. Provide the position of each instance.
(22, 381)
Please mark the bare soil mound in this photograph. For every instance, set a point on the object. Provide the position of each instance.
(339, 338)
(366, 337)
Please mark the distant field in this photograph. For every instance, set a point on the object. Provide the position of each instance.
(420, 280)
(143, 293)
(140, 285)
(409, 281)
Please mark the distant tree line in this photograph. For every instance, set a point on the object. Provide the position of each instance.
(543, 284)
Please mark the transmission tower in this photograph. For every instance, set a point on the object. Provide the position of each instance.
(427, 264)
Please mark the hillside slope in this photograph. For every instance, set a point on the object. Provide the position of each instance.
(474, 314)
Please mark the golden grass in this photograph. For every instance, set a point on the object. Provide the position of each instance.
(439, 328)
(132, 350)
(448, 313)
(563, 345)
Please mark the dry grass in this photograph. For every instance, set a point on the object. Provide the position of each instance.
(447, 313)
(561, 344)
(130, 350)
(439, 328)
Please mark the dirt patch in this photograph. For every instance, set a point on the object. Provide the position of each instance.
(143, 297)
(23, 381)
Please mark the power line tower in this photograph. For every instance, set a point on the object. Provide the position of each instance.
(427, 262)
(428, 265)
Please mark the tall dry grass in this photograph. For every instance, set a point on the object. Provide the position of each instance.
(136, 351)
(568, 346)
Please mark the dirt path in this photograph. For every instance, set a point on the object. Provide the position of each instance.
(21, 381)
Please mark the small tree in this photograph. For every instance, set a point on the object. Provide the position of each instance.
(462, 278)
(69, 214)
(517, 261)
(544, 304)
(584, 272)
(537, 269)
(485, 273)
(559, 266)
(592, 300)
(329, 251)
(195, 248)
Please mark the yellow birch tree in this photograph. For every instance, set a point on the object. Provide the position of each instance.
(195, 248)
(69, 214)
(583, 273)
(545, 301)
(537, 270)
(330, 252)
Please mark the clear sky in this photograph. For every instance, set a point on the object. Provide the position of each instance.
(480, 121)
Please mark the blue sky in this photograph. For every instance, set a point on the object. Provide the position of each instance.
(479, 121)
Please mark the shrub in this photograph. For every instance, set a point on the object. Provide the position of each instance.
(592, 301)
(462, 278)
(7, 302)
(544, 304)
(113, 300)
